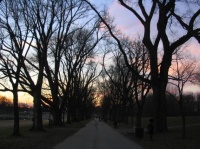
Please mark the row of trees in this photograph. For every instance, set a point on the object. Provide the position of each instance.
(6, 107)
(160, 20)
(191, 106)
(122, 86)
(126, 95)
(48, 51)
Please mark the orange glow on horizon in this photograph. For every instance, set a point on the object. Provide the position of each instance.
(98, 99)
(23, 97)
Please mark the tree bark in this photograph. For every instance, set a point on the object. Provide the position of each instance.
(159, 84)
(37, 109)
(183, 116)
(37, 113)
(68, 116)
(16, 113)
(160, 119)
(138, 118)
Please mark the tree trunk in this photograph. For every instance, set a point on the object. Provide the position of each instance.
(160, 117)
(57, 116)
(138, 118)
(16, 114)
(74, 115)
(123, 113)
(159, 80)
(131, 112)
(37, 109)
(68, 115)
(37, 112)
(183, 117)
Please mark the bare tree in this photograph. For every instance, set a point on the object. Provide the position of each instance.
(8, 69)
(127, 85)
(81, 48)
(52, 49)
(168, 19)
(183, 71)
(141, 88)
(120, 81)
(67, 45)
(61, 43)
(13, 51)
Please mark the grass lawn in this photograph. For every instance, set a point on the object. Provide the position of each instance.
(173, 138)
(35, 140)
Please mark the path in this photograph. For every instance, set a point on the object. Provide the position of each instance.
(97, 135)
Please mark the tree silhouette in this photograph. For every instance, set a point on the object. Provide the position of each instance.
(168, 19)
(182, 72)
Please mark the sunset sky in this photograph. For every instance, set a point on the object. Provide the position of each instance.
(129, 25)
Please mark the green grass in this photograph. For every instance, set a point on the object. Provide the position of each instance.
(34, 140)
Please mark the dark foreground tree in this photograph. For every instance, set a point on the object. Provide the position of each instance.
(164, 17)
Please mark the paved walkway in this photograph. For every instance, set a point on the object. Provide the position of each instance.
(97, 135)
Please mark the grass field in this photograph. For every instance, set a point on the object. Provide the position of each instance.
(35, 140)
(173, 138)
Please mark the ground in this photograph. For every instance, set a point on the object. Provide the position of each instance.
(34, 140)
(55, 135)
(173, 138)
(97, 135)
